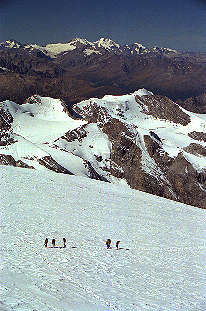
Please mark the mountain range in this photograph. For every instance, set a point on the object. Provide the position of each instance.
(87, 47)
(142, 140)
(80, 69)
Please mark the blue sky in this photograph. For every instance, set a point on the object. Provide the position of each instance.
(178, 24)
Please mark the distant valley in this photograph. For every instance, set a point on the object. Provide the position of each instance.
(80, 69)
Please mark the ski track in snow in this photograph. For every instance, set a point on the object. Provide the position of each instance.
(161, 266)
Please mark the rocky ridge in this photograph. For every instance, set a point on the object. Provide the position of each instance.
(143, 140)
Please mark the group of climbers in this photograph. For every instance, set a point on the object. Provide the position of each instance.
(108, 243)
(54, 242)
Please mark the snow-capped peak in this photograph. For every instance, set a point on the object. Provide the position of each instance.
(138, 48)
(170, 50)
(54, 49)
(106, 43)
(162, 49)
(80, 40)
(13, 44)
(143, 92)
(139, 45)
(45, 108)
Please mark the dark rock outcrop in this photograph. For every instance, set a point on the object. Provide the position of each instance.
(195, 103)
(198, 136)
(51, 164)
(9, 160)
(164, 108)
(196, 149)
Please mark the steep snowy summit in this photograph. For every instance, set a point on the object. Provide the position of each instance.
(106, 43)
(11, 44)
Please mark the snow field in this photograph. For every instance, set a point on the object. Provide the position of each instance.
(162, 270)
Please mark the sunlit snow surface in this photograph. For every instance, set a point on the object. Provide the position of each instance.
(160, 266)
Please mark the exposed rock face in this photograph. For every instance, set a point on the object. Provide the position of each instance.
(196, 149)
(180, 173)
(5, 126)
(198, 136)
(145, 141)
(9, 160)
(195, 103)
(51, 164)
(163, 108)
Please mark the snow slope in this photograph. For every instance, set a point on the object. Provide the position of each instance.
(161, 266)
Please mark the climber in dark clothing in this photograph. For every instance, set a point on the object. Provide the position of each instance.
(53, 242)
(46, 242)
(64, 241)
(108, 243)
(117, 244)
